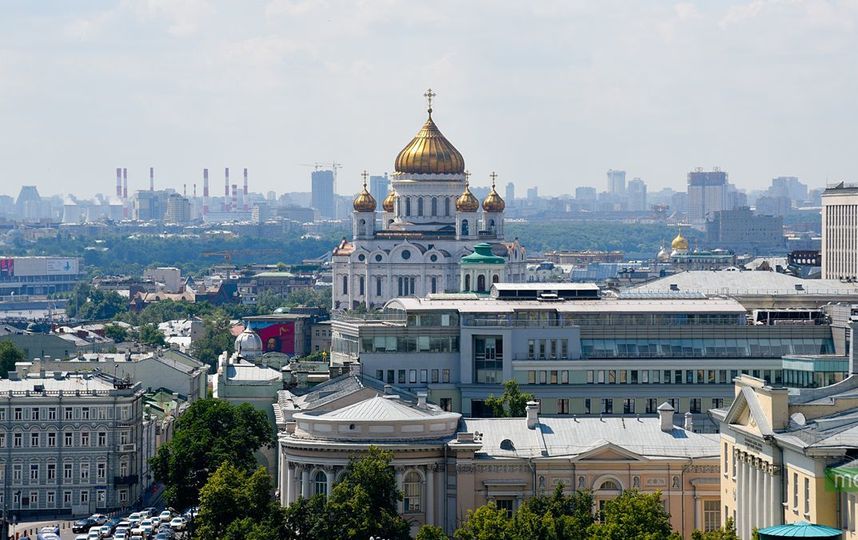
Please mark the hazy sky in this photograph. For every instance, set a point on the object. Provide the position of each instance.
(549, 93)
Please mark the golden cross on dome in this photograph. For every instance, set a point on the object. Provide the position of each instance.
(467, 175)
(493, 176)
(364, 174)
(429, 95)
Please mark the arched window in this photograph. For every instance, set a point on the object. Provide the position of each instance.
(407, 206)
(492, 225)
(360, 285)
(420, 206)
(610, 485)
(467, 283)
(495, 278)
(446, 206)
(464, 227)
(434, 206)
(481, 283)
(345, 284)
(412, 488)
(434, 285)
(320, 483)
(362, 227)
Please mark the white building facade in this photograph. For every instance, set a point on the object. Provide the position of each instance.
(840, 233)
(429, 221)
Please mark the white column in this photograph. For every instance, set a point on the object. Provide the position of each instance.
(766, 499)
(758, 508)
(289, 487)
(740, 494)
(329, 475)
(777, 497)
(430, 495)
(284, 480)
(305, 482)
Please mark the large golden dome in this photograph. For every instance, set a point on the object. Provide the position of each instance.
(679, 243)
(429, 152)
(466, 201)
(493, 201)
(364, 202)
(389, 202)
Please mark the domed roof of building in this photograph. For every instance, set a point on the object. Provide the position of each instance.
(663, 255)
(429, 152)
(389, 201)
(679, 243)
(483, 254)
(493, 201)
(364, 202)
(466, 201)
(248, 343)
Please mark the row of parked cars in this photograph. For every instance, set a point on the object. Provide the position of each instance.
(147, 524)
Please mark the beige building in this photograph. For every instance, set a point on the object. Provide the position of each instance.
(776, 445)
(446, 465)
(840, 232)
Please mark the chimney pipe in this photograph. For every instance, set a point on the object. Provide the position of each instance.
(532, 414)
(244, 194)
(118, 182)
(151, 178)
(124, 183)
(205, 192)
(184, 190)
(665, 414)
(388, 389)
(689, 422)
(226, 189)
(421, 400)
(234, 198)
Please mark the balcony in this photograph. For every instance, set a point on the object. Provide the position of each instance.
(125, 480)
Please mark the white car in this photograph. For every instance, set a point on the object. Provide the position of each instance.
(166, 516)
(135, 518)
(178, 523)
(94, 533)
(101, 519)
(147, 525)
(81, 537)
(120, 535)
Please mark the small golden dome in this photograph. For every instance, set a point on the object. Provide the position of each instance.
(364, 202)
(466, 201)
(679, 243)
(493, 201)
(429, 152)
(389, 201)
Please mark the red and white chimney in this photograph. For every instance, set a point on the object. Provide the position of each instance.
(118, 183)
(205, 192)
(226, 189)
(151, 178)
(124, 183)
(234, 198)
(244, 193)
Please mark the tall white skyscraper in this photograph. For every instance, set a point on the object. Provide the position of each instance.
(616, 181)
(840, 232)
(707, 193)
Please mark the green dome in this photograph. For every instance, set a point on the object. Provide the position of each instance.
(799, 529)
(483, 255)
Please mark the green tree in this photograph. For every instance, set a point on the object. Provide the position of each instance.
(487, 522)
(235, 505)
(215, 339)
(268, 301)
(150, 335)
(555, 516)
(116, 332)
(210, 433)
(513, 402)
(361, 505)
(9, 354)
(727, 532)
(634, 516)
(431, 532)
(89, 303)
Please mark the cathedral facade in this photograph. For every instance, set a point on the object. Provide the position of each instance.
(429, 222)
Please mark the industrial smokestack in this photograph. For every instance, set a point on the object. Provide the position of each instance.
(195, 190)
(234, 197)
(119, 182)
(205, 192)
(244, 194)
(151, 178)
(124, 183)
(184, 190)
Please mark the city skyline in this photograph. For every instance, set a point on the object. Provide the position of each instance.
(656, 90)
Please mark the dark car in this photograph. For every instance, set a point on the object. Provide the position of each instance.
(112, 523)
(83, 525)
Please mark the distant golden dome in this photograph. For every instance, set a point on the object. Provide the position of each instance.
(493, 201)
(679, 243)
(429, 152)
(364, 202)
(389, 201)
(466, 201)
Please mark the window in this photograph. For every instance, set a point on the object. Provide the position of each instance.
(563, 406)
(434, 373)
(34, 413)
(34, 440)
(445, 375)
(67, 414)
(401, 376)
(412, 376)
(424, 376)
(123, 436)
(378, 286)
(629, 406)
(725, 459)
(84, 472)
(586, 405)
(123, 468)
(52, 471)
(360, 286)
(123, 495)
(67, 471)
(412, 487)
(733, 459)
(84, 438)
(19, 413)
(320, 483)
(34, 499)
(102, 438)
(51, 498)
(379, 374)
(34, 472)
(806, 495)
(717, 403)
(17, 473)
(67, 498)
(607, 406)
(694, 406)
(101, 471)
(420, 206)
(651, 405)
(2, 440)
(100, 497)
(345, 284)
(67, 439)
(17, 440)
(84, 497)
(505, 504)
(52, 439)
(3, 414)
(84, 413)
(795, 492)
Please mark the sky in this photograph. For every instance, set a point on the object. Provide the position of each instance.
(546, 93)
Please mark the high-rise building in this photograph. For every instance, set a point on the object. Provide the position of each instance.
(839, 223)
(379, 186)
(637, 195)
(178, 209)
(533, 193)
(616, 181)
(788, 186)
(510, 193)
(707, 193)
(323, 194)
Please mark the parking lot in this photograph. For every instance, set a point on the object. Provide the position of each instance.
(66, 530)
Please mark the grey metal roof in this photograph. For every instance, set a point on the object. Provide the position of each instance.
(567, 436)
(748, 283)
(382, 409)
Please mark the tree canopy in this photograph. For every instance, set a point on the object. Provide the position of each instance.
(513, 402)
(633, 516)
(210, 433)
(9, 354)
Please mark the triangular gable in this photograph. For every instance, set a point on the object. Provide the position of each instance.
(609, 452)
(746, 412)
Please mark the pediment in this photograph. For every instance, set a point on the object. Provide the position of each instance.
(746, 413)
(609, 452)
